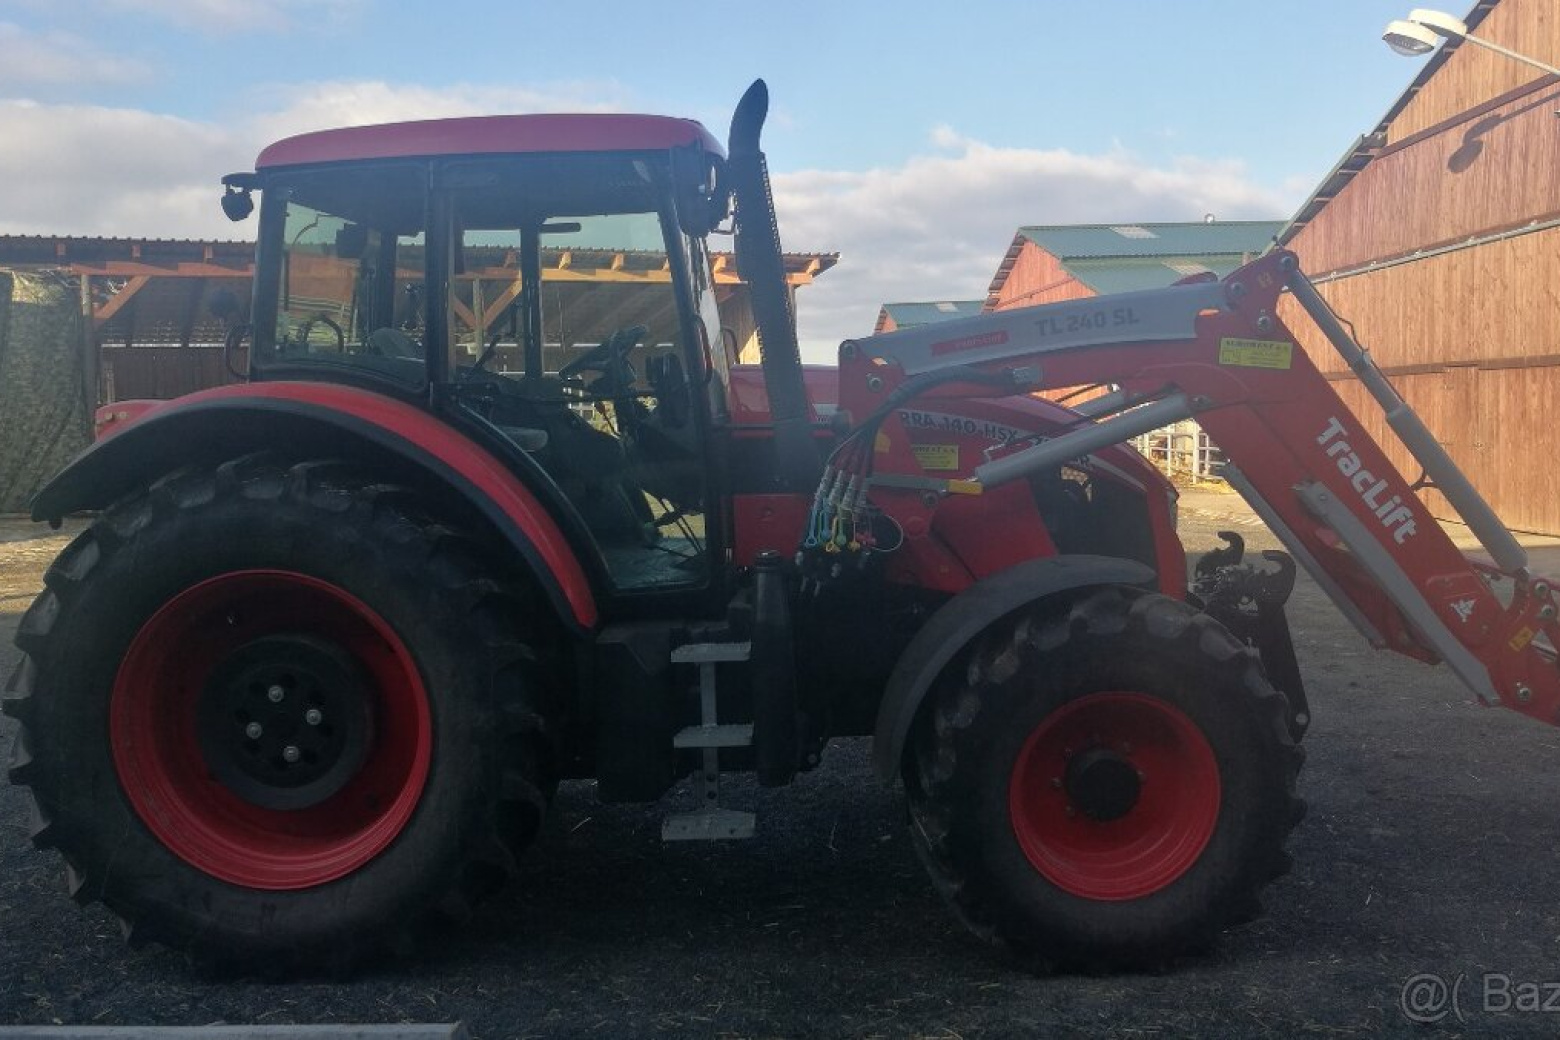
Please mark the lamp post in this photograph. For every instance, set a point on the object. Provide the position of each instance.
(1418, 34)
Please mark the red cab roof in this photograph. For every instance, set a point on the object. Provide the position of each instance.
(479, 135)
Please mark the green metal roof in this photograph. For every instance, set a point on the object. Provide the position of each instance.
(1199, 238)
(906, 315)
(1118, 257)
(1125, 274)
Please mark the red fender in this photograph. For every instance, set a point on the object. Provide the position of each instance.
(244, 417)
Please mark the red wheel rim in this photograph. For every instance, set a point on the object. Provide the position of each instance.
(163, 769)
(1152, 843)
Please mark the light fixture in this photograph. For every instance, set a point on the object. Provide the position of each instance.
(1408, 39)
(1424, 27)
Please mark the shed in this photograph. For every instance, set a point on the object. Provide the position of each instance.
(893, 316)
(152, 304)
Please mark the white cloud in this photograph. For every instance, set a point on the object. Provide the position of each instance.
(937, 226)
(934, 227)
(53, 59)
(91, 170)
(317, 106)
(95, 170)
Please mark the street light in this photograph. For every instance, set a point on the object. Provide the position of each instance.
(1418, 34)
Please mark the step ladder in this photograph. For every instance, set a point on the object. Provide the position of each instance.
(710, 822)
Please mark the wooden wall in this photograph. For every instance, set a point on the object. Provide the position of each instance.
(1038, 277)
(160, 373)
(1490, 172)
(1469, 335)
(1473, 74)
(1471, 339)
(1489, 303)
(1497, 424)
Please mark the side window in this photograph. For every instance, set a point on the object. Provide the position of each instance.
(350, 263)
(349, 291)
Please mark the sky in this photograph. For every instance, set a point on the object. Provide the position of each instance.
(913, 138)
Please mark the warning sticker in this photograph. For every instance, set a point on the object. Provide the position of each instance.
(937, 456)
(1522, 639)
(1256, 353)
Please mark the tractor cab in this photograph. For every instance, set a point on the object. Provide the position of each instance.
(540, 281)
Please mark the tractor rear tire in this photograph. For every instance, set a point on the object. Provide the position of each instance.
(1106, 785)
(279, 718)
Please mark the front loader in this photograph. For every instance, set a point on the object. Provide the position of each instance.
(495, 508)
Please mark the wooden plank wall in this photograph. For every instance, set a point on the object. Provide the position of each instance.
(1470, 337)
(1473, 74)
(1471, 340)
(1497, 302)
(1498, 425)
(1488, 173)
(1038, 277)
(160, 373)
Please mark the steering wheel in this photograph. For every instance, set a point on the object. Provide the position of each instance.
(320, 319)
(606, 355)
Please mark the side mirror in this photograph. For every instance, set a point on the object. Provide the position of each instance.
(703, 199)
(237, 205)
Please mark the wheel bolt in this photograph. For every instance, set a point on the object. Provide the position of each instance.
(275, 694)
(313, 717)
(290, 753)
(253, 731)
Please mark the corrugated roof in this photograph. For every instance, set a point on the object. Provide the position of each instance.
(1127, 274)
(1077, 241)
(907, 315)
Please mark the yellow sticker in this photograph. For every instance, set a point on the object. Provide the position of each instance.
(937, 456)
(1256, 353)
(1522, 639)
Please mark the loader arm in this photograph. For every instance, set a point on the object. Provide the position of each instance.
(1218, 351)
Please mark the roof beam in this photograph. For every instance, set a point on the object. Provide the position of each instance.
(116, 302)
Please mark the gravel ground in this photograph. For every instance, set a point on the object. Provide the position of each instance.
(1431, 824)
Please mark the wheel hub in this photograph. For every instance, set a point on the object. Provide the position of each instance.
(284, 721)
(1102, 784)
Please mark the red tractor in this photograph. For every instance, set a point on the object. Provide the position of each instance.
(308, 681)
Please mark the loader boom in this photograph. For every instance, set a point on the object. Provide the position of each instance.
(1218, 351)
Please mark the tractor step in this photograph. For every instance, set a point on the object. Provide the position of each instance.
(710, 822)
(729, 735)
(711, 653)
(708, 825)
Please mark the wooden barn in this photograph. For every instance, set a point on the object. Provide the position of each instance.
(893, 316)
(1438, 236)
(1048, 264)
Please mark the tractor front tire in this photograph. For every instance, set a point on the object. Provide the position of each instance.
(1106, 784)
(278, 717)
